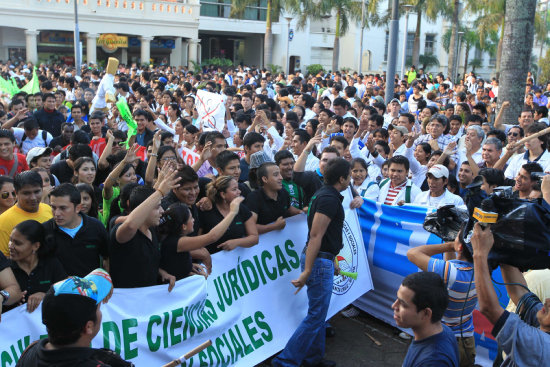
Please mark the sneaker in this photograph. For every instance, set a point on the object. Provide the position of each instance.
(350, 312)
(405, 336)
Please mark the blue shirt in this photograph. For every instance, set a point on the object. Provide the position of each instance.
(458, 278)
(72, 231)
(439, 350)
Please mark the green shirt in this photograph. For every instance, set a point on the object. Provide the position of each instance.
(104, 218)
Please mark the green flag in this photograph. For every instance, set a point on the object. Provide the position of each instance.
(7, 87)
(33, 86)
(126, 115)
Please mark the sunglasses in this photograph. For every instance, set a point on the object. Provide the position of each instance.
(513, 134)
(6, 194)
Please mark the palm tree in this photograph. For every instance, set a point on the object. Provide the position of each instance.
(428, 60)
(345, 11)
(274, 9)
(517, 45)
(431, 9)
(453, 39)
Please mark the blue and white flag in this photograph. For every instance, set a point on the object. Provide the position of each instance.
(389, 232)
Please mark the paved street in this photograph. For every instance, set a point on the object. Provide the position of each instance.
(352, 346)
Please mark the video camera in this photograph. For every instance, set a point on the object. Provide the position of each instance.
(521, 228)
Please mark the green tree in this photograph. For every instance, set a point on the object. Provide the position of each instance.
(427, 61)
(430, 9)
(344, 11)
(274, 9)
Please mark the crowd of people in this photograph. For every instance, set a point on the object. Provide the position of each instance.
(77, 193)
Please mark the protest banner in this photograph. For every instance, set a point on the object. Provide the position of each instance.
(211, 110)
(189, 157)
(388, 232)
(247, 307)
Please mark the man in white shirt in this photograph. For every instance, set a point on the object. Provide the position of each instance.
(438, 195)
(31, 136)
(299, 142)
(393, 112)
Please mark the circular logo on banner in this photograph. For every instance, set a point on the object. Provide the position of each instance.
(109, 44)
(291, 35)
(347, 260)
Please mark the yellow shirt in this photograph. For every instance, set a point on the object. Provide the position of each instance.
(15, 215)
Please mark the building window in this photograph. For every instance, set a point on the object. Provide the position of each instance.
(429, 44)
(386, 46)
(410, 45)
(221, 9)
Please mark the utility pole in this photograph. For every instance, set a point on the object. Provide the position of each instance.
(77, 61)
(362, 34)
(408, 9)
(392, 51)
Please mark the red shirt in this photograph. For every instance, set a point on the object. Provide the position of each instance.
(6, 166)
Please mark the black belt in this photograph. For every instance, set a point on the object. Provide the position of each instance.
(322, 254)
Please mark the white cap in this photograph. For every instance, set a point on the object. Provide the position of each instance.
(37, 152)
(439, 170)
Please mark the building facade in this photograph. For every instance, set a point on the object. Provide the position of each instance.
(181, 32)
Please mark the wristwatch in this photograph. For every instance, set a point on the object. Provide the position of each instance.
(5, 295)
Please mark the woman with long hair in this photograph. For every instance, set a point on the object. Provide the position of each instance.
(32, 263)
(88, 201)
(177, 247)
(242, 231)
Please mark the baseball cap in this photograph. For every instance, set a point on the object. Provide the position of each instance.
(402, 129)
(379, 99)
(163, 80)
(395, 100)
(37, 152)
(259, 158)
(439, 170)
(70, 303)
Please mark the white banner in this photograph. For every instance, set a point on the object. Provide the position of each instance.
(247, 307)
(189, 157)
(211, 110)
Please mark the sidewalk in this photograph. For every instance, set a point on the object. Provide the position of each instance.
(352, 346)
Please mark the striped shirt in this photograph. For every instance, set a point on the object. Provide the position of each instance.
(457, 276)
(393, 192)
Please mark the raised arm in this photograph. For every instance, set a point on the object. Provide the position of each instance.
(197, 242)
(111, 180)
(512, 275)
(420, 256)
(153, 159)
(482, 242)
(102, 162)
(300, 164)
(139, 215)
(498, 120)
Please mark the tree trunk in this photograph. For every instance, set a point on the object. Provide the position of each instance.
(336, 50)
(416, 44)
(499, 50)
(453, 44)
(268, 38)
(516, 53)
(466, 55)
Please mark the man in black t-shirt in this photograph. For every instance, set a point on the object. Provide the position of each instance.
(325, 221)
(80, 241)
(270, 203)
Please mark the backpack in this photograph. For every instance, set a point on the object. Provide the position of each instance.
(407, 190)
(44, 137)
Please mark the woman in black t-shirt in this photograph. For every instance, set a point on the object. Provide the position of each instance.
(35, 269)
(242, 231)
(177, 248)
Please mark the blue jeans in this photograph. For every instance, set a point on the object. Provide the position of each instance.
(307, 344)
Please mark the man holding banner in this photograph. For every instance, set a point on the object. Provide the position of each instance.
(325, 221)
